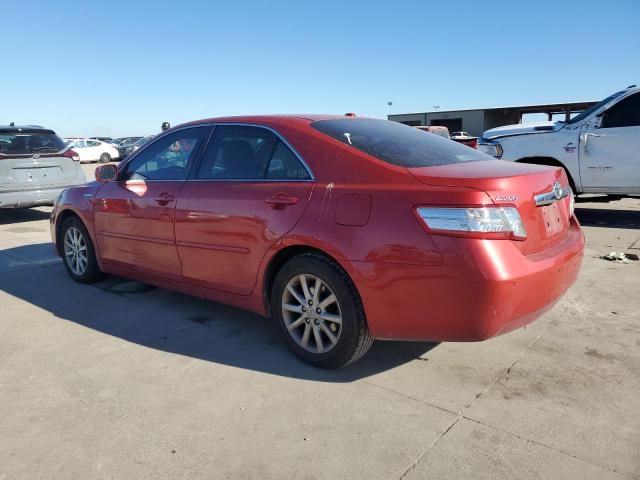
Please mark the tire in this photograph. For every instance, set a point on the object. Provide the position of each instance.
(105, 158)
(323, 318)
(75, 238)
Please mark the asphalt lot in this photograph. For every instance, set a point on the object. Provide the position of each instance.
(119, 380)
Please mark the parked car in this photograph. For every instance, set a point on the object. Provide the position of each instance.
(124, 144)
(125, 140)
(465, 139)
(598, 149)
(94, 150)
(35, 166)
(126, 150)
(456, 136)
(460, 134)
(343, 229)
(438, 130)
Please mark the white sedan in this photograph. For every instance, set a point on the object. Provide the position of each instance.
(91, 150)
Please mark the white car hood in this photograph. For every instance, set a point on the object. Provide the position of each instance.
(522, 129)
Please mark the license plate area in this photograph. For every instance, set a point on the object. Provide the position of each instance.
(36, 174)
(553, 219)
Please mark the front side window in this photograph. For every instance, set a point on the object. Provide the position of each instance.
(92, 143)
(168, 158)
(625, 113)
(397, 144)
(238, 152)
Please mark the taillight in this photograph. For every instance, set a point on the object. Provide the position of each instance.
(476, 222)
(72, 154)
(572, 202)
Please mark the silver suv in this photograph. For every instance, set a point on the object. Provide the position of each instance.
(35, 166)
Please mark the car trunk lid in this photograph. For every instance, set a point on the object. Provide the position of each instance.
(521, 185)
(33, 158)
(36, 171)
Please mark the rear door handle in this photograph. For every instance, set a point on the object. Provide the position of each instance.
(281, 200)
(164, 198)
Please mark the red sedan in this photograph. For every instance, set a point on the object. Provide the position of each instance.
(343, 229)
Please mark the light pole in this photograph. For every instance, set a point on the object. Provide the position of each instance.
(389, 103)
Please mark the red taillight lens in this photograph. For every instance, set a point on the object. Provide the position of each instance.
(72, 154)
(473, 143)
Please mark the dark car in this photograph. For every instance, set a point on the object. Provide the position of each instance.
(129, 148)
(103, 139)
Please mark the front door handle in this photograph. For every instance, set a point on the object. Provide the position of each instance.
(281, 200)
(586, 140)
(164, 198)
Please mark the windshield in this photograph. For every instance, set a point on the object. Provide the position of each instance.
(592, 109)
(396, 143)
(25, 142)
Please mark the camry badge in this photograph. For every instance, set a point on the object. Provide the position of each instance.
(506, 198)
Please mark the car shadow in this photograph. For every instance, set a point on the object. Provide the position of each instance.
(20, 215)
(176, 323)
(609, 218)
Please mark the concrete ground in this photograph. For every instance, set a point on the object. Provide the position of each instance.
(118, 380)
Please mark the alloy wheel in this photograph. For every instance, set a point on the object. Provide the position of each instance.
(311, 313)
(75, 251)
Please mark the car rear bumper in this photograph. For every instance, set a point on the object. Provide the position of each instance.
(30, 198)
(482, 289)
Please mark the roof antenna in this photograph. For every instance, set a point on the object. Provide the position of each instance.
(631, 86)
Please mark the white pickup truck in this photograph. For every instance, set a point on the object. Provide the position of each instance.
(599, 149)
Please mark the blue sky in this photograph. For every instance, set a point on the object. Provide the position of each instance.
(121, 68)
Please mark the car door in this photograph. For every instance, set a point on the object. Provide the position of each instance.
(610, 151)
(249, 190)
(94, 150)
(134, 216)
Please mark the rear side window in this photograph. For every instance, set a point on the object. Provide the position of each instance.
(25, 142)
(239, 152)
(396, 143)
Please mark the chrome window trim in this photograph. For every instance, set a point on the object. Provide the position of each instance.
(207, 141)
(311, 178)
(556, 194)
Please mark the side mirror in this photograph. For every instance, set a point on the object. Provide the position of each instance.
(106, 173)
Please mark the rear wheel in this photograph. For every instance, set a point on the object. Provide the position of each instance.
(105, 158)
(319, 312)
(78, 253)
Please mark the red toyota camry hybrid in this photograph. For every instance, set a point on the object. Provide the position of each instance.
(343, 229)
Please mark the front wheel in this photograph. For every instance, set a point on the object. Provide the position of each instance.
(78, 253)
(105, 158)
(319, 312)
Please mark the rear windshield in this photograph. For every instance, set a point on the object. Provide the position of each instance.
(396, 143)
(20, 143)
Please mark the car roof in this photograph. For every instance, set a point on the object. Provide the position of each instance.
(291, 119)
(24, 129)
